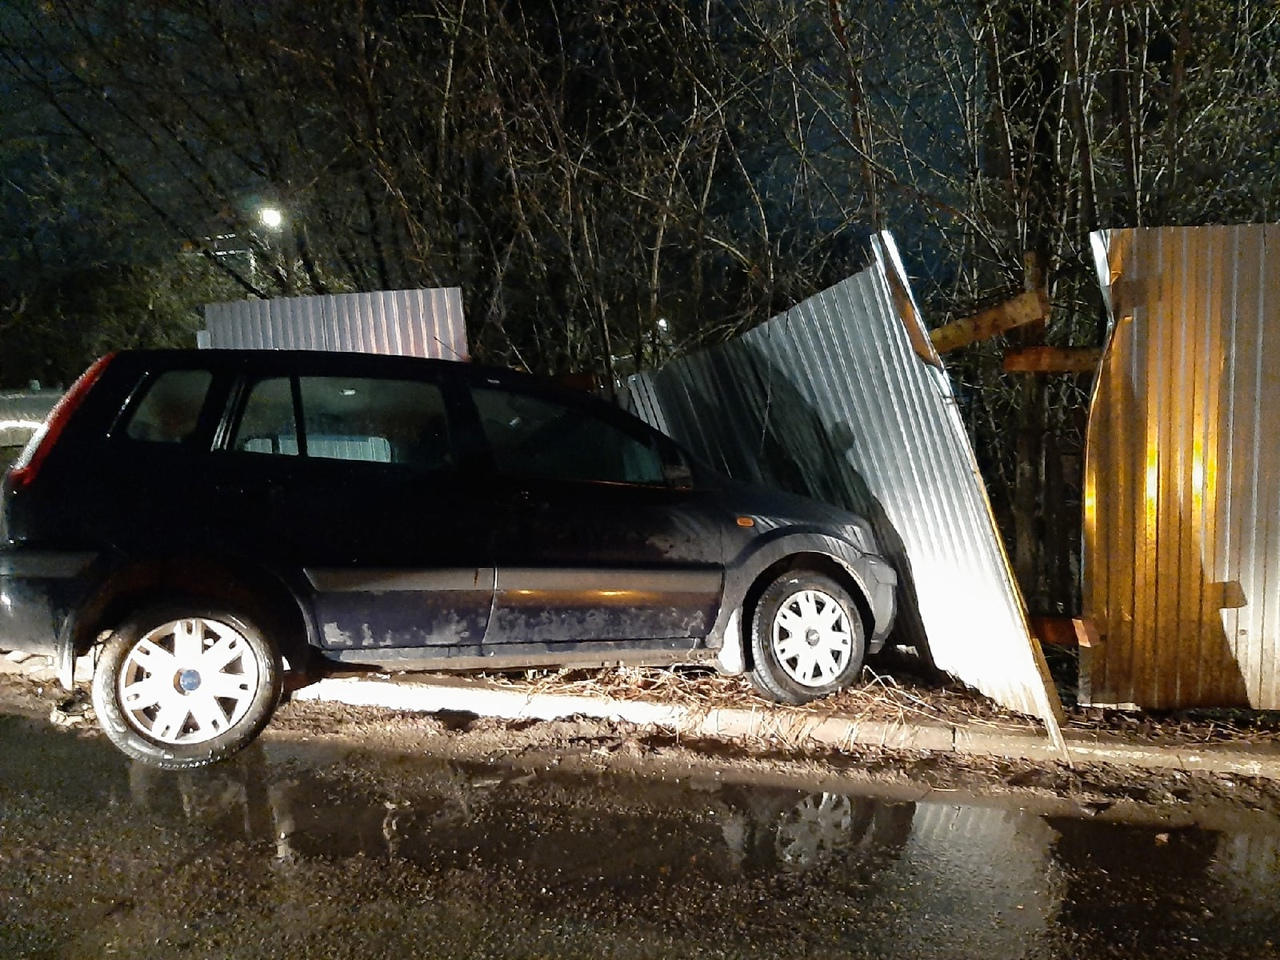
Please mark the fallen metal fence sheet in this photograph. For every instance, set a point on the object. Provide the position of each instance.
(1026, 893)
(1182, 472)
(1245, 863)
(416, 323)
(842, 399)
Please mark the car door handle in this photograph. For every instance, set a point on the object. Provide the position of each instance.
(525, 500)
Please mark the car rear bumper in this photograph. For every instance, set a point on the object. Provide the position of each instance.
(38, 591)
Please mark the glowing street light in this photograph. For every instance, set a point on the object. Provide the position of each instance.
(271, 218)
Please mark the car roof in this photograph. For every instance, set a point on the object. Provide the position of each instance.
(348, 363)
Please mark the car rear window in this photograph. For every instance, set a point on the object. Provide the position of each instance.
(348, 418)
(170, 408)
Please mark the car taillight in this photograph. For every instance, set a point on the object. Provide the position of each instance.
(25, 468)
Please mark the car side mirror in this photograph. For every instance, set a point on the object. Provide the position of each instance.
(678, 475)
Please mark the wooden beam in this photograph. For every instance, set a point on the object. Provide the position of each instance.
(1023, 309)
(1058, 631)
(1087, 633)
(1052, 360)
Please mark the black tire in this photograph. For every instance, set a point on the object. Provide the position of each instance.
(793, 667)
(149, 677)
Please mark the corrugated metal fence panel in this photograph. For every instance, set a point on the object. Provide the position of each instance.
(831, 400)
(1182, 475)
(22, 412)
(417, 323)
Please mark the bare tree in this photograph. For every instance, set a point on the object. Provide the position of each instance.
(612, 182)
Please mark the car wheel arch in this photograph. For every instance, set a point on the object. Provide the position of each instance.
(141, 584)
(820, 563)
(798, 557)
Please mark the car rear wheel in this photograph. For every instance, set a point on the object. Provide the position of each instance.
(807, 639)
(185, 686)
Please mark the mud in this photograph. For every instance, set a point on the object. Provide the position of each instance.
(366, 834)
(1108, 792)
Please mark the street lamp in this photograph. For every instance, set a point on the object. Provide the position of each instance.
(271, 218)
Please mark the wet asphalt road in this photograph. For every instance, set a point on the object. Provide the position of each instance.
(302, 850)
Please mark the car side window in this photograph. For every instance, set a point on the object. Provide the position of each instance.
(362, 419)
(170, 408)
(268, 424)
(376, 420)
(542, 437)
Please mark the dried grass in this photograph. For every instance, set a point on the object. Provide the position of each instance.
(1182, 726)
(879, 697)
(908, 695)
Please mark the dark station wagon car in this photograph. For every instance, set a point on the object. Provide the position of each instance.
(203, 520)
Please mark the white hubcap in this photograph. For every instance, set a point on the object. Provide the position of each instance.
(813, 828)
(188, 681)
(811, 638)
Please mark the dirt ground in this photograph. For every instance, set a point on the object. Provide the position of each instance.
(1171, 797)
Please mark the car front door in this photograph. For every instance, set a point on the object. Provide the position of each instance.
(591, 540)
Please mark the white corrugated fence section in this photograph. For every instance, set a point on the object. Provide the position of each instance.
(415, 323)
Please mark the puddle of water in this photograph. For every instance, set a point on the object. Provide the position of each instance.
(787, 871)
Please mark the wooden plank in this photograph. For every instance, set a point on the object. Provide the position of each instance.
(1025, 308)
(1052, 360)
(1087, 633)
(1056, 631)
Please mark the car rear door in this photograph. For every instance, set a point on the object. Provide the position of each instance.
(591, 540)
(352, 481)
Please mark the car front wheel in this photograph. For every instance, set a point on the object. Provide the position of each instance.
(807, 639)
(185, 686)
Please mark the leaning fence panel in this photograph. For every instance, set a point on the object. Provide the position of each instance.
(842, 399)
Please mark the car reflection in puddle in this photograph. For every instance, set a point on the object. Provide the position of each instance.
(457, 816)
(302, 836)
